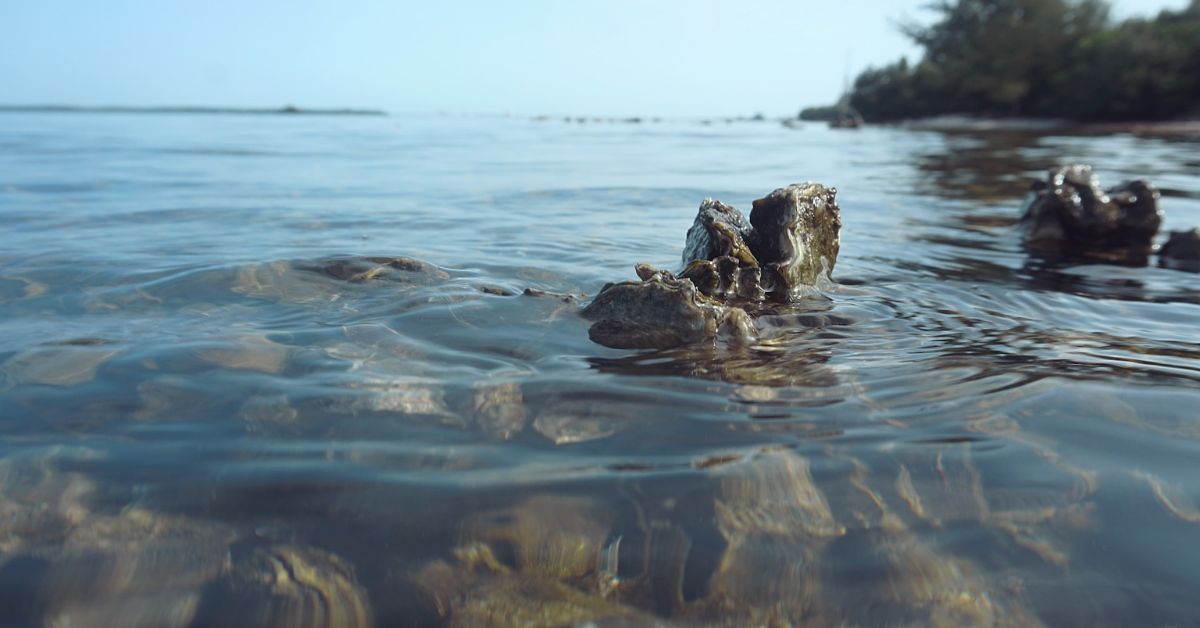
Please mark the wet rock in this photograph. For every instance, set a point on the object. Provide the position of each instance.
(364, 269)
(790, 241)
(543, 294)
(1181, 251)
(659, 313)
(499, 291)
(719, 230)
(797, 232)
(1069, 209)
(325, 280)
(725, 279)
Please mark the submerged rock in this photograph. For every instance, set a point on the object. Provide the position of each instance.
(559, 537)
(541, 562)
(1069, 209)
(288, 585)
(791, 240)
(364, 269)
(463, 597)
(64, 364)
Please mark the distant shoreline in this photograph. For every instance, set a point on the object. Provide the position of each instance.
(284, 111)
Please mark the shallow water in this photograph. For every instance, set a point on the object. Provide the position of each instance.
(200, 425)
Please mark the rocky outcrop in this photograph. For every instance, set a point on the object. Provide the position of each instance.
(790, 241)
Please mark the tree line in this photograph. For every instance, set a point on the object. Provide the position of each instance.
(1044, 58)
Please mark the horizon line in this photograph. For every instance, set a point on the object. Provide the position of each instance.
(168, 109)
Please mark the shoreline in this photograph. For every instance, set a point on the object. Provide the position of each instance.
(967, 123)
(186, 109)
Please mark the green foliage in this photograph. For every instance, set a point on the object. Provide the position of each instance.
(819, 114)
(1054, 58)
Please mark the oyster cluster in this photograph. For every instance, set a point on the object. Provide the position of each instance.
(729, 263)
(1069, 211)
(1071, 207)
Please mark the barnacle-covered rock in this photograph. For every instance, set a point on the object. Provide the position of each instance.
(718, 231)
(791, 240)
(660, 312)
(724, 279)
(1070, 209)
(797, 236)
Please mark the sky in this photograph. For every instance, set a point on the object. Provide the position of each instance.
(578, 57)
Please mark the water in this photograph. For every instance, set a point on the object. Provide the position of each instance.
(200, 426)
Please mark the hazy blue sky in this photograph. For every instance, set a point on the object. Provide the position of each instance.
(618, 57)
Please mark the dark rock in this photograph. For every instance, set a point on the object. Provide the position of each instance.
(364, 269)
(791, 240)
(796, 236)
(1070, 211)
(718, 230)
(1181, 251)
(659, 312)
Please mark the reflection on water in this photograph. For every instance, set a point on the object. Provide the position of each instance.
(287, 372)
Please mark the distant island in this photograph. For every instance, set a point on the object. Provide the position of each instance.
(1057, 59)
(286, 110)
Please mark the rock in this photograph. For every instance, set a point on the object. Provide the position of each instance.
(1181, 251)
(660, 312)
(364, 269)
(555, 536)
(797, 236)
(790, 241)
(61, 364)
(288, 585)
(718, 230)
(724, 279)
(1070, 210)
(247, 353)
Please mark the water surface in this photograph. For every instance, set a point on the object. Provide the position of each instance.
(199, 424)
